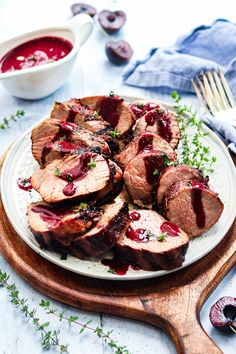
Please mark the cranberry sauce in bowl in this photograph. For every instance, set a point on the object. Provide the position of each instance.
(35, 52)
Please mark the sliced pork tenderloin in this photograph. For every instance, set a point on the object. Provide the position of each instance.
(55, 227)
(162, 122)
(73, 178)
(101, 238)
(151, 242)
(173, 174)
(142, 143)
(192, 206)
(113, 110)
(53, 139)
(141, 175)
(114, 187)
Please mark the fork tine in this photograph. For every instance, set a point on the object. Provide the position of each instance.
(227, 88)
(208, 94)
(221, 90)
(217, 97)
(200, 97)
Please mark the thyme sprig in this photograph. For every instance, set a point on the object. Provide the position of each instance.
(193, 153)
(14, 117)
(49, 338)
(106, 336)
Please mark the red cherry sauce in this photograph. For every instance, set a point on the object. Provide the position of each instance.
(197, 204)
(66, 147)
(140, 109)
(145, 143)
(76, 173)
(162, 121)
(74, 109)
(35, 52)
(109, 109)
(135, 216)
(170, 228)
(47, 214)
(153, 163)
(65, 129)
(24, 184)
(164, 128)
(138, 235)
(117, 266)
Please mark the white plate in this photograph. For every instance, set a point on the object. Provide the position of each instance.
(20, 163)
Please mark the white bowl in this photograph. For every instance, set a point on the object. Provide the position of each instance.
(42, 80)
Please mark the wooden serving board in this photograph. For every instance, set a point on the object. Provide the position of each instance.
(170, 302)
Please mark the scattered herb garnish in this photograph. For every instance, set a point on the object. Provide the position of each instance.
(95, 114)
(57, 172)
(167, 161)
(140, 105)
(162, 236)
(50, 338)
(193, 151)
(6, 121)
(111, 94)
(111, 271)
(82, 206)
(115, 134)
(156, 172)
(92, 164)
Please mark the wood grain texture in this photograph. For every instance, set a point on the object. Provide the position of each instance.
(171, 302)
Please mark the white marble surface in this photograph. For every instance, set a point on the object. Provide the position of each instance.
(150, 23)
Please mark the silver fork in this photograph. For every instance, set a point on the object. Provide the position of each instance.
(215, 95)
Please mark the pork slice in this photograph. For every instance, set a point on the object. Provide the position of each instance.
(192, 206)
(173, 174)
(105, 234)
(151, 242)
(37, 179)
(72, 109)
(162, 122)
(113, 110)
(73, 178)
(93, 141)
(41, 135)
(144, 142)
(54, 228)
(114, 187)
(141, 174)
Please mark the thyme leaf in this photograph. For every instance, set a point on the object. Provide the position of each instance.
(92, 164)
(50, 339)
(193, 153)
(162, 236)
(14, 117)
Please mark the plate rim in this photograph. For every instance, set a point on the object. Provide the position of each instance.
(148, 274)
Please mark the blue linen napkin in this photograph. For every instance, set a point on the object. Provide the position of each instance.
(207, 47)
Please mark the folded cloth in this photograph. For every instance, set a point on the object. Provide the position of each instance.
(225, 131)
(207, 47)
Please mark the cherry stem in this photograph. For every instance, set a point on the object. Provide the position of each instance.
(232, 329)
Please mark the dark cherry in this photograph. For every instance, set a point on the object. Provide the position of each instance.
(118, 52)
(111, 21)
(223, 313)
(81, 8)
